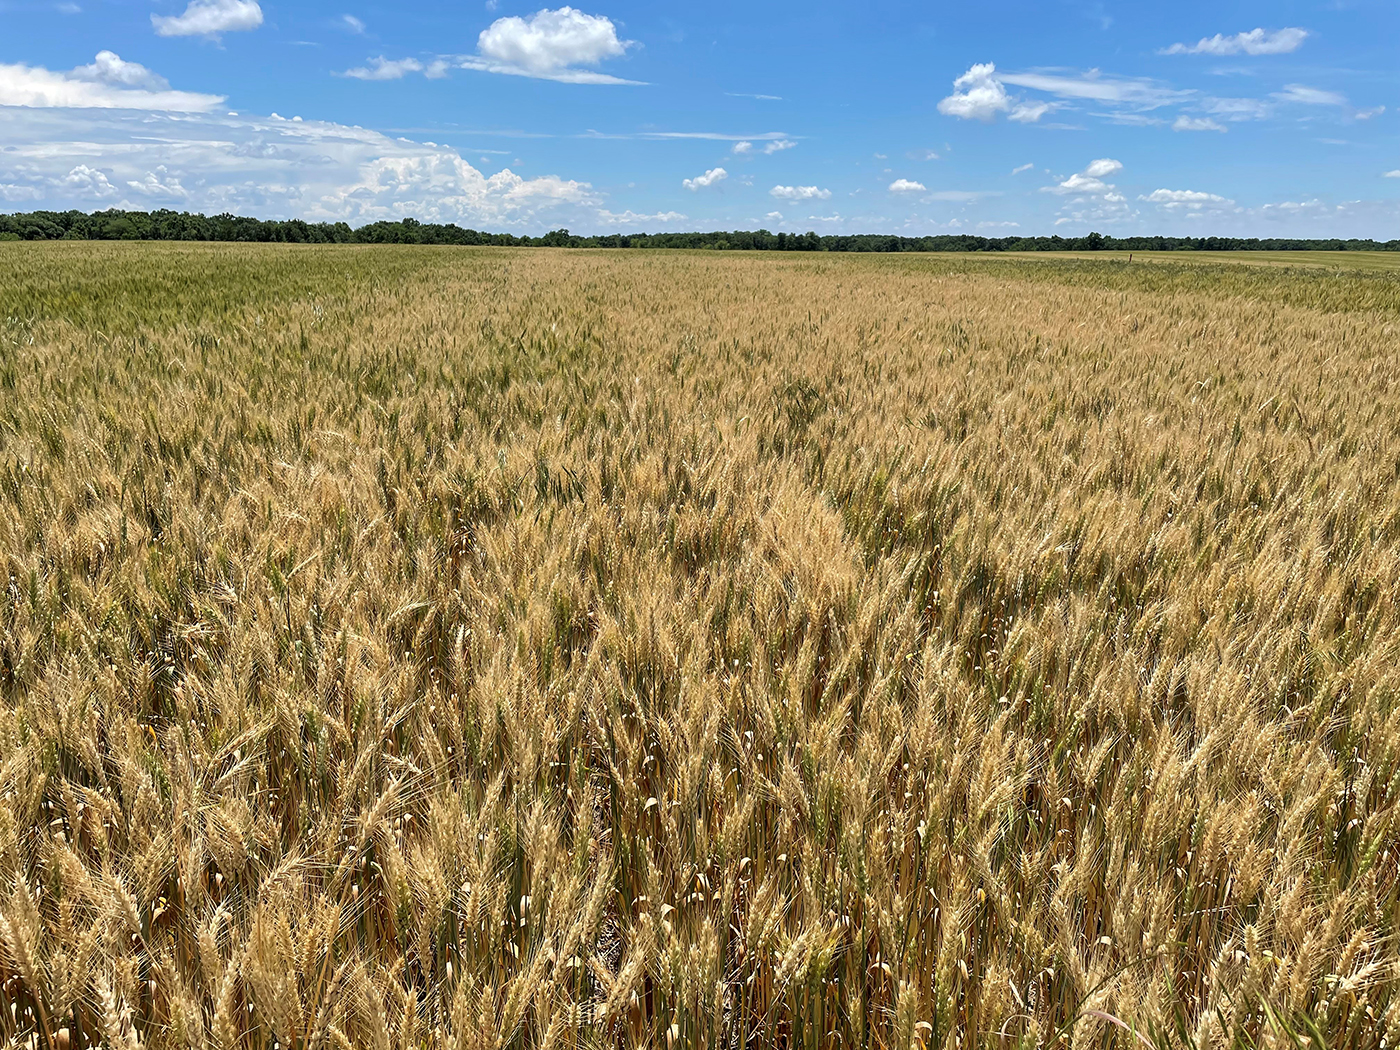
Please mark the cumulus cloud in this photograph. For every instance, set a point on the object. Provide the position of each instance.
(1309, 96)
(1393, 174)
(977, 95)
(85, 182)
(800, 193)
(1097, 169)
(1092, 199)
(743, 148)
(550, 45)
(1185, 123)
(109, 68)
(907, 186)
(159, 184)
(1079, 183)
(1255, 42)
(210, 18)
(107, 83)
(710, 178)
(778, 145)
(274, 168)
(1090, 180)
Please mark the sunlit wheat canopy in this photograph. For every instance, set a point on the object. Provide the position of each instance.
(525, 647)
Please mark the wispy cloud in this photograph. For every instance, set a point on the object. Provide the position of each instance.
(1138, 92)
(1309, 96)
(1185, 123)
(981, 94)
(1254, 42)
(385, 69)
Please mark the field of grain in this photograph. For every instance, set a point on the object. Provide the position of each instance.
(528, 648)
(1329, 261)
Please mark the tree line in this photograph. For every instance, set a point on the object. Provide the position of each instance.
(117, 225)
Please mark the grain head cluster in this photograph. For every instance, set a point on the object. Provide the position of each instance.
(486, 649)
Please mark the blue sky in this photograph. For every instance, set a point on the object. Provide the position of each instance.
(1234, 118)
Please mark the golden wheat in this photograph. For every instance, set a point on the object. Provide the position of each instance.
(497, 648)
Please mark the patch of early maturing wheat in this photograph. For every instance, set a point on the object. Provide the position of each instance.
(517, 648)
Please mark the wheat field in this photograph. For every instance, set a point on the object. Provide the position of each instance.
(526, 648)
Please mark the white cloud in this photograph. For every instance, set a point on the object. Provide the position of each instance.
(159, 184)
(210, 18)
(353, 24)
(998, 225)
(977, 95)
(1023, 167)
(85, 183)
(1237, 109)
(1367, 114)
(776, 144)
(1194, 197)
(706, 136)
(1393, 174)
(907, 186)
(632, 218)
(774, 215)
(1185, 123)
(960, 196)
(1030, 112)
(1090, 180)
(1255, 42)
(1079, 183)
(269, 167)
(981, 94)
(108, 83)
(549, 45)
(1309, 96)
(385, 69)
(1093, 86)
(799, 193)
(710, 178)
(109, 68)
